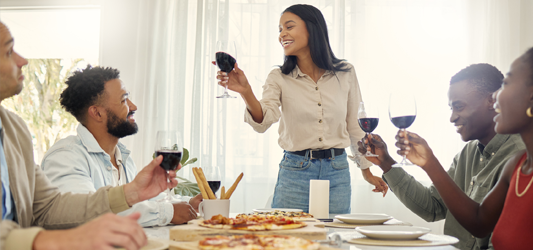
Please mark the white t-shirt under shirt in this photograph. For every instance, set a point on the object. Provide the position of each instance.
(119, 175)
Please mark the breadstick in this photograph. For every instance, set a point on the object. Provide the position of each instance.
(200, 184)
(206, 185)
(232, 188)
(223, 193)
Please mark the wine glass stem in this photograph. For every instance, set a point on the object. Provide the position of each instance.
(168, 181)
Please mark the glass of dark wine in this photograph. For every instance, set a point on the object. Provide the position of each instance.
(402, 113)
(212, 174)
(225, 58)
(168, 144)
(368, 121)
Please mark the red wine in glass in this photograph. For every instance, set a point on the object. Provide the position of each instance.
(225, 58)
(225, 61)
(214, 185)
(402, 113)
(368, 124)
(368, 121)
(171, 159)
(403, 122)
(168, 144)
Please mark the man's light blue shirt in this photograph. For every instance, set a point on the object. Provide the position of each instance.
(78, 164)
(8, 205)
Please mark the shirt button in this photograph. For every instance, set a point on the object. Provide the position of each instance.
(319, 139)
(320, 121)
(316, 88)
(471, 183)
(492, 153)
(108, 168)
(473, 237)
(480, 159)
(319, 104)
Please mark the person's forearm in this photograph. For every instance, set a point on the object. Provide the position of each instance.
(367, 174)
(464, 209)
(253, 106)
(386, 165)
(50, 240)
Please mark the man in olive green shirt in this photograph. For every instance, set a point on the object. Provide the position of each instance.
(475, 169)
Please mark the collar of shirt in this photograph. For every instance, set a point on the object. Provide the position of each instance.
(492, 147)
(92, 146)
(296, 72)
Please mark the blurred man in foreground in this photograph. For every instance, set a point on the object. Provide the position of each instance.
(30, 202)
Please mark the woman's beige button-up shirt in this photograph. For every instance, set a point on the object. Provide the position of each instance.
(319, 115)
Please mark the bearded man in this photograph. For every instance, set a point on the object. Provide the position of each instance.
(94, 157)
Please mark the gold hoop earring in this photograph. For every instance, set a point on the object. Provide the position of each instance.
(528, 112)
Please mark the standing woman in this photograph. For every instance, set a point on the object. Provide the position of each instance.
(319, 97)
(507, 207)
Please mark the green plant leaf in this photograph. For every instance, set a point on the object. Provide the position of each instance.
(191, 161)
(184, 156)
(187, 188)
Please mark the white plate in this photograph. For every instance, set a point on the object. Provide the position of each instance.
(266, 210)
(363, 218)
(393, 232)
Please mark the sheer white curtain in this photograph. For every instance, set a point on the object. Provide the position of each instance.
(164, 49)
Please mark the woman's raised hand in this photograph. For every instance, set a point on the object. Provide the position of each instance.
(415, 148)
(235, 79)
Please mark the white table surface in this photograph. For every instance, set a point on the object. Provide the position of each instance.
(164, 232)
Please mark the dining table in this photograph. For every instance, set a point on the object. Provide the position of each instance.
(162, 233)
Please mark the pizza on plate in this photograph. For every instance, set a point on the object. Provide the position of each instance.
(259, 242)
(294, 215)
(252, 222)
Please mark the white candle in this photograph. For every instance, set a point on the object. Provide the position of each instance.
(319, 198)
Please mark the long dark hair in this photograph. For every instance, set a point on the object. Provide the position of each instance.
(321, 52)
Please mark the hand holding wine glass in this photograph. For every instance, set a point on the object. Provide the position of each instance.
(168, 144)
(415, 148)
(368, 121)
(402, 113)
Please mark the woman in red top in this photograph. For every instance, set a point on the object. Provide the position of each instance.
(507, 208)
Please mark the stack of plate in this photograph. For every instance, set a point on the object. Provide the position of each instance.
(363, 218)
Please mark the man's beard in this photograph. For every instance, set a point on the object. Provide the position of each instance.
(120, 128)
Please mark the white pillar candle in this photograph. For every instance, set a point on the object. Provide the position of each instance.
(319, 198)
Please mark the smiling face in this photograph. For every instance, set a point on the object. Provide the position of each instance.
(119, 109)
(472, 113)
(10, 65)
(514, 98)
(293, 35)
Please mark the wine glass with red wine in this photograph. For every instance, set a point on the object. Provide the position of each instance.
(402, 113)
(168, 144)
(368, 121)
(212, 174)
(225, 58)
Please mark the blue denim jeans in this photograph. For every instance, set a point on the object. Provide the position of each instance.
(295, 172)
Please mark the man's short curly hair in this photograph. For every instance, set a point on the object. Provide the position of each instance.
(485, 77)
(85, 88)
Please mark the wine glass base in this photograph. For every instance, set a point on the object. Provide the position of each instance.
(226, 95)
(368, 154)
